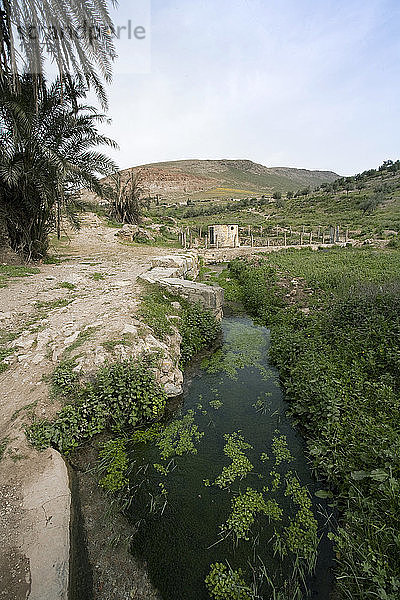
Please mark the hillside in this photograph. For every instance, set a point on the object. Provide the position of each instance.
(368, 204)
(222, 179)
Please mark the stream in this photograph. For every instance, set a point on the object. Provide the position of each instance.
(178, 531)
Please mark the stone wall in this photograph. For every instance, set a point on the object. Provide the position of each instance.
(169, 272)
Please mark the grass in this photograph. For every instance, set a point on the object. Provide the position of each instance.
(97, 276)
(3, 445)
(8, 272)
(67, 285)
(125, 340)
(340, 367)
(43, 307)
(322, 207)
(80, 340)
(6, 337)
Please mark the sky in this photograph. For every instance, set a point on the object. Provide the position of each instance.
(302, 83)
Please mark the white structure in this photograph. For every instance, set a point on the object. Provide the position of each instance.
(223, 236)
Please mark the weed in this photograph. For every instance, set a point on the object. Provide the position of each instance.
(67, 285)
(8, 272)
(97, 276)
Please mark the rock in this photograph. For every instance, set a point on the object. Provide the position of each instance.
(134, 233)
(71, 338)
(122, 283)
(24, 343)
(129, 329)
(45, 535)
(167, 271)
(173, 390)
(38, 358)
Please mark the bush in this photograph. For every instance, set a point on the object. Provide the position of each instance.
(199, 329)
(122, 396)
(340, 368)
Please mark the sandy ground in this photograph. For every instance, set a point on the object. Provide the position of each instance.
(45, 330)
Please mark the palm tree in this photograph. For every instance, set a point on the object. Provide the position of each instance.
(124, 191)
(47, 154)
(75, 34)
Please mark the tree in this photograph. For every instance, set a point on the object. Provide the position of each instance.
(76, 34)
(371, 203)
(124, 192)
(277, 195)
(46, 156)
(289, 195)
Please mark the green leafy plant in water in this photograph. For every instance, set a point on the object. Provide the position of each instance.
(179, 437)
(241, 349)
(240, 465)
(262, 403)
(280, 450)
(245, 507)
(275, 480)
(223, 583)
(300, 536)
(113, 464)
(216, 404)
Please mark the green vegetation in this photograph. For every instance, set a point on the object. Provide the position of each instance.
(67, 285)
(3, 446)
(240, 465)
(123, 395)
(225, 584)
(113, 465)
(199, 330)
(197, 326)
(97, 276)
(242, 348)
(64, 379)
(47, 142)
(8, 272)
(80, 340)
(179, 437)
(245, 507)
(125, 340)
(293, 532)
(340, 367)
(45, 306)
(366, 204)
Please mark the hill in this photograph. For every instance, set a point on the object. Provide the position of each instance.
(368, 204)
(219, 179)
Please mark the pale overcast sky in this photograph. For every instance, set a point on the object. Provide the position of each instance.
(302, 83)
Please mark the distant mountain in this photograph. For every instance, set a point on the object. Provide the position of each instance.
(218, 179)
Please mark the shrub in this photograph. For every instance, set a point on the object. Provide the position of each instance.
(122, 396)
(198, 328)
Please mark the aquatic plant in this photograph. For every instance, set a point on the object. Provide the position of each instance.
(280, 450)
(223, 583)
(179, 437)
(245, 507)
(240, 465)
(242, 348)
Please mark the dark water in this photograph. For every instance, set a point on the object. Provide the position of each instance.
(179, 544)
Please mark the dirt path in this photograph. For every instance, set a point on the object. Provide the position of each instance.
(89, 297)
